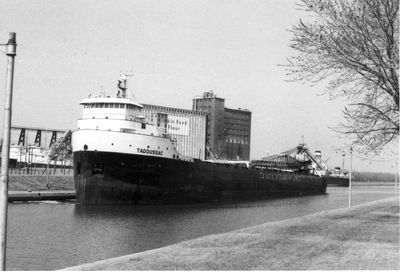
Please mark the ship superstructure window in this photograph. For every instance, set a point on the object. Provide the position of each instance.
(110, 105)
(133, 107)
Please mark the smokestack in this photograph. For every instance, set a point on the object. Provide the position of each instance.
(317, 154)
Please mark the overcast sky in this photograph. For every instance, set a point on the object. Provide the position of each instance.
(176, 51)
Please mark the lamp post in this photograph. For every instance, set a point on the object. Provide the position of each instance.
(350, 174)
(396, 180)
(343, 155)
(11, 48)
(396, 186)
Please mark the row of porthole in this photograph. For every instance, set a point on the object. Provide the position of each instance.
(85, 147)
(127, 119)
(147, 146)
(174, 156)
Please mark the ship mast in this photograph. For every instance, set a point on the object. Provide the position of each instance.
(122, 86)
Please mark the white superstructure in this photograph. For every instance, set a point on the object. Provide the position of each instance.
(116, 124)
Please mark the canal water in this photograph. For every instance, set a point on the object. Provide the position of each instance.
(55, 235)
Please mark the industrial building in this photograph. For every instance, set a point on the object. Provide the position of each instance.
(186, 127)
(228, 130)
(31, 145)
(41, 137)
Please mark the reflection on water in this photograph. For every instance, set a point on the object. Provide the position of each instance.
(46, 236)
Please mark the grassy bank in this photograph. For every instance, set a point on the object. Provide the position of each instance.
(361, 237)
(40, 182)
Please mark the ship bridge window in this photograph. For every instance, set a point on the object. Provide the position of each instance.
(132, 107)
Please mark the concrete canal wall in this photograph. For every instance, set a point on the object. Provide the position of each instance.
(362, 237)
(41, 195)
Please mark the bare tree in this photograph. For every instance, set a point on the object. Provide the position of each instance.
(352, 45)
(60, 150)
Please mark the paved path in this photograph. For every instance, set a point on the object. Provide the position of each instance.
(361, 237)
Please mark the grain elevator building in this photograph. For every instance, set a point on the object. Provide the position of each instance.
(228, 130)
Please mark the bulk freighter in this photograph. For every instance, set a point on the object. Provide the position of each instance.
(120, 158)
(338, 177)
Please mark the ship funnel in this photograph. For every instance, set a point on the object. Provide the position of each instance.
(317, 155)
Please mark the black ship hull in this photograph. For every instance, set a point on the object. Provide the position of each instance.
(338, 181)
(116, 178)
